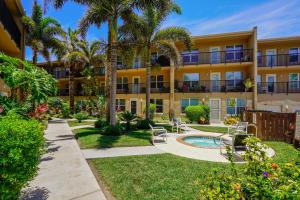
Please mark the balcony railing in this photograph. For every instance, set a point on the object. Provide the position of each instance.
(131, 88)
(278, 87)
(64, 73)
(9, 24)
(278, 60)
(217, 57)
(80, 92)
(210, 86)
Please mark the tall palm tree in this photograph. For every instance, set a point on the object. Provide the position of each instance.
(73, 58)
(110, 11)
(42, 33)
(145, 33)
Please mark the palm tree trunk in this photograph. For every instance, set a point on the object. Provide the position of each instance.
(34, 57)
(148, 89)
(71, 88)
(113, 76)
(107, 78)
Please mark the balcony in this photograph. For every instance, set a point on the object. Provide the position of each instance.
(9, 24)
(80, 92)
(217, 57)
(206, 86)
(64, 73)
(131, 88)
(278, 60)
(278, 87)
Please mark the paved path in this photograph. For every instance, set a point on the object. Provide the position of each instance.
(120, 151)
(64, 173)
(82, 126)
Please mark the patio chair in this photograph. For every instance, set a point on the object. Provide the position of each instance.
(237, 142)
(158, 133)
(240, 127)
(178, 124)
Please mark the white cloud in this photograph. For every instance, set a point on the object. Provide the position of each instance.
(274, 18)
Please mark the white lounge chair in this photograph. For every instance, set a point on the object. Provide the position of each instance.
(240, 127)
(178, 124)
(158, 133)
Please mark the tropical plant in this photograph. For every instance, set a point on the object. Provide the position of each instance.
(100, 12)
(260, 178)
(145, 34)
(42, 33)
(199, 113)
(36, 84)
(128, 117)
(81, 116)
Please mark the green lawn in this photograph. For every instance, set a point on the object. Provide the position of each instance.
(164, 176)
(76, 123)
(215, 129)
(91, 138)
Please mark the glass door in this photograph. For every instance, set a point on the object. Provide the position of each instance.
(133, 107)
(215, 110)
(136, 85)
(271, 79)
(215, 81)
(271, 57)
(215, 55)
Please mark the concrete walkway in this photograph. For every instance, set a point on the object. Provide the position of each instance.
(120, 151)
(63, 172)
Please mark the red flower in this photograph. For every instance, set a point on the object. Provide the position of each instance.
(274, 165)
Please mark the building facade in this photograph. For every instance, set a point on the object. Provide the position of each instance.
(12, 34)
(213, 72)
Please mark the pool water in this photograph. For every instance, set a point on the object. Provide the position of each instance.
(200, 141)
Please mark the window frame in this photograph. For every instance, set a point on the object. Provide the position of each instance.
(158, 106)
(189, 103)
(120, 106)
(238, 54)
(192, 56)
(154, 81)
(237, 109)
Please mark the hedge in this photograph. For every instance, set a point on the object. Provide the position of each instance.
(21, 146)
(199, 113)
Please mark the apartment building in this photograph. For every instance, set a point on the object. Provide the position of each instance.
(12, 35)
(213, 73)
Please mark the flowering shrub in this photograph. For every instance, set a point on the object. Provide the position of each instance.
(260, 178)
(231, 120)
(40, 111)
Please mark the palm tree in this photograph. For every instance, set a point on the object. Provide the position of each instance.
(110, 11)
(73, 58)
(145, 33)
(42, 33)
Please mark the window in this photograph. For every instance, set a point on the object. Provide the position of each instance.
(159, 105)
(259, 58)
(294, 55)
(190, 56)
(235, 106)
(294, 80)
(234, 52)
(188, 102)
(122, 83)
(119, 62)
(157, 81)
(120, 105)
(191, 79)
(233, 79)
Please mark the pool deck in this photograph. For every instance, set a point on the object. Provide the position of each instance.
(174, 147)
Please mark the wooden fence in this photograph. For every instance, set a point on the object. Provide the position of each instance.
(272, 125)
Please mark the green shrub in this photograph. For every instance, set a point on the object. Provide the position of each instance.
(20, 150)
(65, 112)
(199, 113)
(152, 110)
(144, 124)
(100, 123)
(128, 117)
(55, 105)
(113, 130)
(81, 116)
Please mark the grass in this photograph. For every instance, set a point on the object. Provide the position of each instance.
(215, 129)
(76, 123)
(91, 138)
(165, 176)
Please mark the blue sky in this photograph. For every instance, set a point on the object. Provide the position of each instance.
(274, 18)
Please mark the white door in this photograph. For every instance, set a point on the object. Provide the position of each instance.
(136, 84)
(215, 55)
(215, 78)
(271, 82)
(215, 108)
(271, 57)
(133, 106)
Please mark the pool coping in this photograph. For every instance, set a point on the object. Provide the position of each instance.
(180, 140)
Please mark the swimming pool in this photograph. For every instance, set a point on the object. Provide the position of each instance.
(202, 141)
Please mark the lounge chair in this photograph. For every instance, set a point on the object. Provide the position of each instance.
(236, 142)
(178, 124)
(158, 133)
(240, 127)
